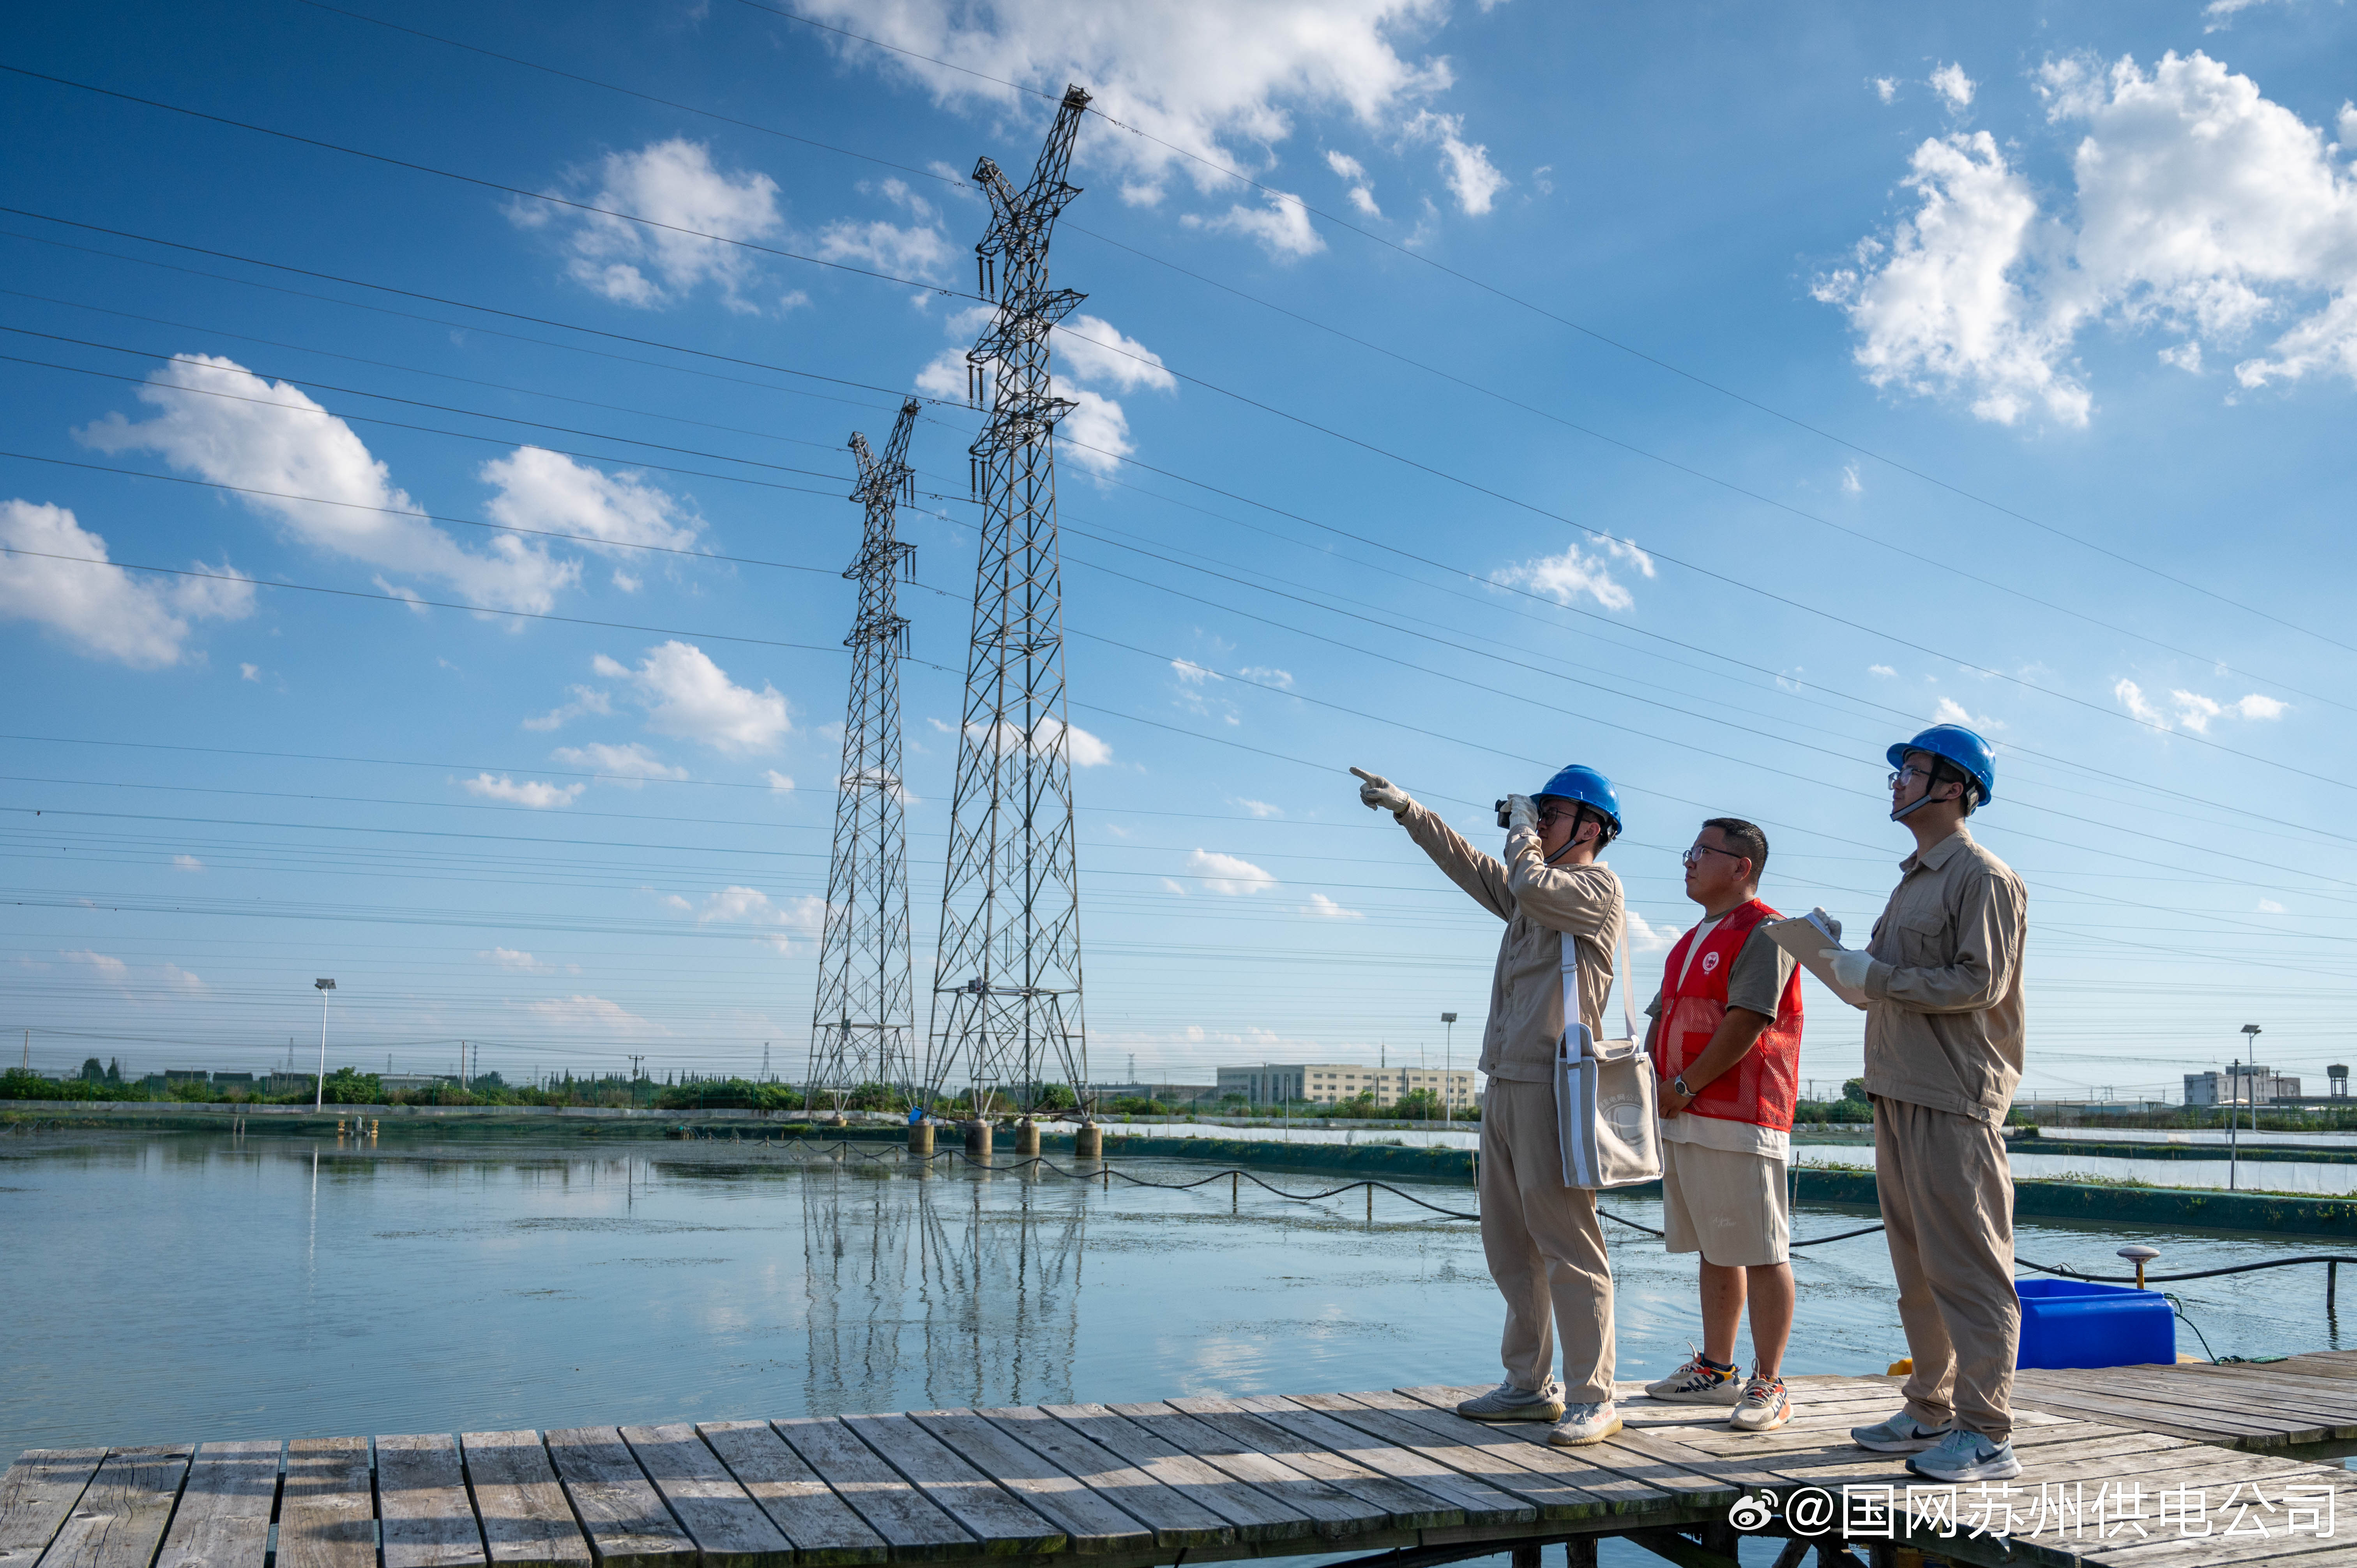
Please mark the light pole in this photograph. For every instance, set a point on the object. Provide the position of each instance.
(2233, 1117)
(319, 1099)
(1448, 1064)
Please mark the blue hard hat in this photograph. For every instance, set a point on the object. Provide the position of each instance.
(1959, 745)
(1588, 787)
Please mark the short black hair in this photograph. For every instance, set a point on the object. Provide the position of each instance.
(1745, 839)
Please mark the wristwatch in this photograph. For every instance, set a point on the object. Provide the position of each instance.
(1679, 1083)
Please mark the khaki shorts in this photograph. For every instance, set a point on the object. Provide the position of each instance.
(1730, 1207)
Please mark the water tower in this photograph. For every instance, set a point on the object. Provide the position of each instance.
(2339, 1075)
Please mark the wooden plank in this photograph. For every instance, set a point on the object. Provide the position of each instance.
(1338, 1513)
(120, 1515)
(2259, 1396)
(1176, 1519)
(913, 1529)
(1554, 1497)
(1479, 1504)
(1254, 1516)
(1634, 1455)
(36, 1494)
(223, 1519)
(425, 1516)
(825, 1530)
(327, 1517)
(1092, 1523)
(2152, 1415)
(729, 1527)
(527, 1523)
(1622, 1493)
(620, 1512)
(1409, 1507)
(1004, 1527)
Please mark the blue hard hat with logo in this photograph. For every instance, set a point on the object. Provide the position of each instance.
(1588, 787)
(1959, 745)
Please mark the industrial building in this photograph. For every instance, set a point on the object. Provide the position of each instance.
(1323, 1083)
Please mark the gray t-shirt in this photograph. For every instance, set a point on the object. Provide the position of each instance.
(1755, 983)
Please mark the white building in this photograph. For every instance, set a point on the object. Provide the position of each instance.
(1323, 1083)
(2240, 1085)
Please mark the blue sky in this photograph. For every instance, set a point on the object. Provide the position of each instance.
(1711, 396)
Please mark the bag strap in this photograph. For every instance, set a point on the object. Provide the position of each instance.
(1622, 978)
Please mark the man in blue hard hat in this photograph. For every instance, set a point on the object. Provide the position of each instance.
(1543, 1240)
(1943, 1053)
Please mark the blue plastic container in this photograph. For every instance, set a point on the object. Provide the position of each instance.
(2069, 1323)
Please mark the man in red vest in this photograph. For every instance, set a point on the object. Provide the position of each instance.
(1726, 1041)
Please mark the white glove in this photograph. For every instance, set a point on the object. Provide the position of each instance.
(1521, 812)
(1379, 793)
(1849, 965)
(1831, 925)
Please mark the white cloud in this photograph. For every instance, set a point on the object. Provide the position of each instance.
(1084, 749)
(1260, 807)
(686, 694)
(591, 1013)
(520, 963)
(551, 493)
(782, 783)
(250, 673)
(1325, 909)
(1269, 675)
(2186, 357)
(1882, 669)
(1354, 174)
(1281, 228)
(2191, 710)
(1646, 937)
(266, 435)
(1576, 574)
(2201, 208)
(102, 610)
(1466, 165)
(1952, 85)
(1948, 711)
(531, 792)
(738, 905)
(628, 766)
(1215, 79)
(919, 252)
(180, 979)
(2219, 14)
(1850, 483)
(585, 700)
(1096, 350)
(1886, 87)
(187, 863)
(671, 182)
(1225, 874)
(2269, 907)
(110, 969)
(944, 375)
(1096, 432)
(1193, 674)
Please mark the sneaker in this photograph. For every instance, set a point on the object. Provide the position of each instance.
(1963, 1455)
(1764, 1406)
(1698, 1382)
(1507, 1402)
(1902, 1433)
(1585, 1423)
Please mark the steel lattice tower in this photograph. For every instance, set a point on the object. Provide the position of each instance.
(863, 1029)
(1006, 983)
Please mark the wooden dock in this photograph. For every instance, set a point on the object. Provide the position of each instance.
(2130, 1468)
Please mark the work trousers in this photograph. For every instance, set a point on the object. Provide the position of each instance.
(1545, 1247)
(1947, 1211)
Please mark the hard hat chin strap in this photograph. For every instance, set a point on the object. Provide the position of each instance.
(1579, 820)
(1905, 812)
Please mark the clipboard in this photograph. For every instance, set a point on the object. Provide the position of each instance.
(1804, 936)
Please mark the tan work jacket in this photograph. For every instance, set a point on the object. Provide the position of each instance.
(1542, 907)
(1944, 1026)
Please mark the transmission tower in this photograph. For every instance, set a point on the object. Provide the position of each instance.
(1006, 983)
(863, 1029)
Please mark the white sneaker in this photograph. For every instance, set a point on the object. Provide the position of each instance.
(1584, 1423)
(1696, 1382)
(1764, 1406)
(1507, 1402)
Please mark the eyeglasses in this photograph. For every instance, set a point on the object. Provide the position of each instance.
(1554, 813)
(1694, 857)
(1904, 774)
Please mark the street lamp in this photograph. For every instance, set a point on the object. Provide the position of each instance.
(1448, 1064)
(319, 1099)
(2250, 1087)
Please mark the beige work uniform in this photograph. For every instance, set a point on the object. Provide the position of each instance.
(1543, 1240)
(1943, 1053)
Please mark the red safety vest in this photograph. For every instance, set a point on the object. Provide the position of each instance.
(1763, 1087)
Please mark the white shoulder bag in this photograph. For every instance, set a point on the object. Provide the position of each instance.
(1605, 1110)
